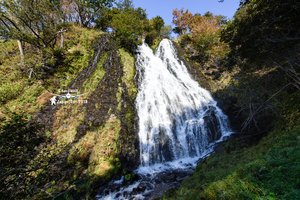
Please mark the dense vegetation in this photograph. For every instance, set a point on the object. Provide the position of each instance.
(256, 71)
(251, 64)
(268, 170)
(253, 57)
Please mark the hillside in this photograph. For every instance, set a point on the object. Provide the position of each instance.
(110, 107)
(68, 147)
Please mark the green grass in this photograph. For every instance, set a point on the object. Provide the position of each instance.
(79, 43)
(18, 94)
(10, 90)
(129, 71)
(92, 82)
(155, 45)
(268, 170)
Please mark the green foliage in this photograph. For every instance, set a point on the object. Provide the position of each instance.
(18, 143)
(150, 37)
(128, 177)
(54, 58)
(153, 30)
(204, 43)
(8, 47)
(79, 41)
(34, 22)
(130, 25)
(125, 5)
(128, 28)
(268, 170)
(38, 23)
(157, 23)
(86, 12)
(104, 22)
(91, 83)
(129, 71)
(166, 31)
(177, 30)
(264, 32)
(10, 90)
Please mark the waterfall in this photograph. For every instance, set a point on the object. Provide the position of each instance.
(178, 119)
(179, 123)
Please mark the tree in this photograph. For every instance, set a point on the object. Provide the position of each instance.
(267, 33)
(125, 5)
(166, 31)
(104, 22)
(208, 14)
(181, 20)
(85, 12)
(128, 27)
(157, 23)
(203, 33)
(152, 29)
(35, 22)
(202, 25)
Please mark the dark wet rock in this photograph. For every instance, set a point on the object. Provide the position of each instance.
(118, 195)
(228, 104)
(170, 178)
(125, 194)
(141, 187)
(212, 125)
(219, 149)
(157, 181)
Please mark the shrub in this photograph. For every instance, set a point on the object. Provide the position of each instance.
(10, 90)
(128, 28)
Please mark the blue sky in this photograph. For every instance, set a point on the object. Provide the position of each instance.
(164, 8)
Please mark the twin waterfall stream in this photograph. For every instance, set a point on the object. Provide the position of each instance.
(179, 123)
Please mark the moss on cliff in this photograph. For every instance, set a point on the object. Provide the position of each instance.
(129, 71)
(105, 150)
(81, 143)
(79, 43)
(67, 120)
(92, 82)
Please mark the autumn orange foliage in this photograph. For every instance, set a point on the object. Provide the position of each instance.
(203, 31)
(185, 20)
(200, 24)
(182, 19)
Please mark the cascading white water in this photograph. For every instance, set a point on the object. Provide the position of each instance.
(177, 118)
(178, 123)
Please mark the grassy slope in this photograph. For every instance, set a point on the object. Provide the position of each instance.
(20, 94)
(17, 93)
(268, 170)
(68, 165)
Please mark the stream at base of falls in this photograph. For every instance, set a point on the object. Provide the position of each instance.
(179, 125)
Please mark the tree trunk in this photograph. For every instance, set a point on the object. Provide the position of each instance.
(30, 73)
(21, 51)
(43, 57)
(62, 40)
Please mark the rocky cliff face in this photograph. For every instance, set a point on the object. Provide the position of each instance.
(234, 92)
(98, 138)
(208, 76)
